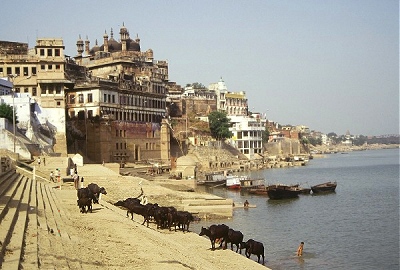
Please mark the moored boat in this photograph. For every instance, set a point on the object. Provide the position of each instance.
(279, 192)
(324, 187)
(233, 181)
(248, 183)
(216, 179)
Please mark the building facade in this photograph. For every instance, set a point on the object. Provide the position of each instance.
(247, 134)
(38, 74)
(118, 103)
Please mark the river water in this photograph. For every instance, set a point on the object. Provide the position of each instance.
(357, 227)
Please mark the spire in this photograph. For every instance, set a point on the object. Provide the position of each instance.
(79, 46)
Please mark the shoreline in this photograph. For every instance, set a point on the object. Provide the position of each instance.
(126, 244)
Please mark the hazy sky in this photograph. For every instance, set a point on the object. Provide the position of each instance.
(330, 65)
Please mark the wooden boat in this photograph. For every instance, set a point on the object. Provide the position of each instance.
(213, 180)
(240, 205)
(324, 187)
(279, 192)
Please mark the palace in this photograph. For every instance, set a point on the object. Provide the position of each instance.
(119, 101)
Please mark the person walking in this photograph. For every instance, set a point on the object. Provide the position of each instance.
(76, 180)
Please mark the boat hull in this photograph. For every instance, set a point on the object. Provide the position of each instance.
(283, 192)
(324, 188)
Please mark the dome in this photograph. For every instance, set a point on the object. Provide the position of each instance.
(114, 45)
(95, 49)
(185, 161)
(132, 45)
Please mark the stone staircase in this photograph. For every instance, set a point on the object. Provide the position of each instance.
(32, 225)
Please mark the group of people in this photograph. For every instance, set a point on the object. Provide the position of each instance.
(78, 181)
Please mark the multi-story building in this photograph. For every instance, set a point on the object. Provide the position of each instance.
(119, 101)
(236, 103)
(247, 134)
(38, 74)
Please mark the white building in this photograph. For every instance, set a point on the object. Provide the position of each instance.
(247, 134)
(220, 90)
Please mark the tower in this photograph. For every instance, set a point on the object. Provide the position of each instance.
(87, 46)
(79, 46)
(105, 38)
(124, 36)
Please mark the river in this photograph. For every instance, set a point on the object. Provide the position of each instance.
(357, 227)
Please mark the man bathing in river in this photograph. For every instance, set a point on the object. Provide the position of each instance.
(300, 249)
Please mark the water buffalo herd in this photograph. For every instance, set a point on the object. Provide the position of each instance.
(225, 235)
(168, 217)
(165, 217)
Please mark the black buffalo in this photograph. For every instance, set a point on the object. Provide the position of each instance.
(83, 203)
(235, 238)
(215, 232)
(256, 248)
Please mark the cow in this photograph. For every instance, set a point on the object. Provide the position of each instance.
(235, 238)
(83, 203)
(215, 232)
(256, 248)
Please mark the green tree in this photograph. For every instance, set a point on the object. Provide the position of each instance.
(265, 135)
(6, 111)
(219, 125)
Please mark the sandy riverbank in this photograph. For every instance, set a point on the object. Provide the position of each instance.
(106, 239)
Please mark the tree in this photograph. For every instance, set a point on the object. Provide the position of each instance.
(6, 111)
(265, 135)
(219, 125)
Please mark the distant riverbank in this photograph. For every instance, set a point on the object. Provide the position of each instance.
(328, 149)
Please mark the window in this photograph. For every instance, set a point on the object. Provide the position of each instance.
(71, 99)
(9, 71)
(33, 70)
(34, 91)
(17, 71)
(113, 98)
(80, 98)
(56, 52)
(116, 146)
(25, 71)
(41, 52)
(58, 103)
(26, 90)
(116, 133)
(17, 90)
(105, 98)
(58, 89)
(1, 69)
(90, 113)
(49, 52)
(43, 67)
(50, 67)
(58, 67)
(90, 98)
